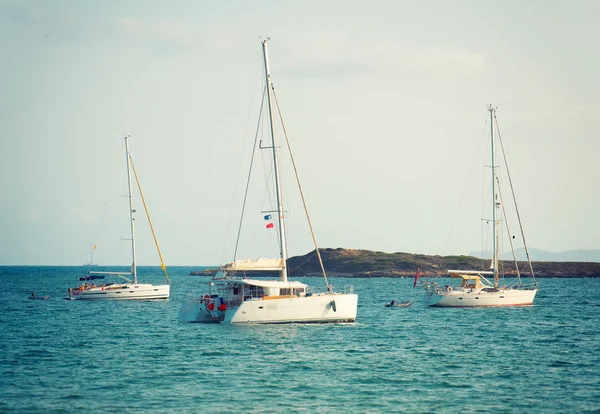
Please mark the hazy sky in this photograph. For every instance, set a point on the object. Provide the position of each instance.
(384, 103)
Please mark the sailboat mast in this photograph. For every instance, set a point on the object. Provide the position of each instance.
(282, 246)
(494, 200)
(131, 211)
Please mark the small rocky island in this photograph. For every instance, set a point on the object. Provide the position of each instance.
(366, 263)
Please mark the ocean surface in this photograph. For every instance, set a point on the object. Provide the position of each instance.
(130, 356)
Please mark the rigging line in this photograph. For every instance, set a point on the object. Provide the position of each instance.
(269, 173)
(162, 262)
(464, 190)
(269, 186)
(302, 194)
(267, 169)
(501, 262)
(514, 199)
(488, 248)
(512, 249)
(268, 202)
(300, 265)
(256, 75)
(485, 196)
(484, 239)
(483, 245)
(237, 241)
(114, 182)
(484, 203)
(104, 211)
(481, 241)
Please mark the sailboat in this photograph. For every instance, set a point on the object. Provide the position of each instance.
(125, 288)
(235, 299)
(475, 289)
(91, 263)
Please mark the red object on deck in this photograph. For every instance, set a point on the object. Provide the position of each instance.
(417, 275)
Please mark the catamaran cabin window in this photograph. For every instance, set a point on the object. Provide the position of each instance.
(253, 292)
(296, 292)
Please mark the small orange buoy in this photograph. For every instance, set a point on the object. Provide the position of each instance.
(223, 307)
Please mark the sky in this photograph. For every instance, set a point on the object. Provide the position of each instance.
(384, 103)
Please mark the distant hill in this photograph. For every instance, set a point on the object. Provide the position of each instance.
(366, 263)
(539, 255)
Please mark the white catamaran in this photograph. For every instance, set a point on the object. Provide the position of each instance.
(475, 289)
(233, 299)
(129, 289)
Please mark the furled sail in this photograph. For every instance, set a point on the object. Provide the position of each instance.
(254, 264)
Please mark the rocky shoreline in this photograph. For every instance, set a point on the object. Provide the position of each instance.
(354, 263)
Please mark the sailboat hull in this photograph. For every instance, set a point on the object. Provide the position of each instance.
(318, 308)
(194, 310)
(467, 299)
(123, 292)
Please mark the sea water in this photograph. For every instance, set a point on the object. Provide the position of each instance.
(133, 356)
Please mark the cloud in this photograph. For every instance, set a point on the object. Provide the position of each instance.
(173, 31)
(331, 51)
(131, 25)
(41, 14)
(54, 23)
(31, 214)
(432, 60)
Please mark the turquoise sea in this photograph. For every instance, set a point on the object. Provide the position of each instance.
(72, 356)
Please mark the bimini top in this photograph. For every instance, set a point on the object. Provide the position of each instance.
(270, 283)
(91, 277)
(465, 277)
(461, 273)
(478, 283)
(254, 264)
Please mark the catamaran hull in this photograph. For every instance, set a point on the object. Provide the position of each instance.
(465, 299)
(321, 308)
(194, 310)
(133, 292)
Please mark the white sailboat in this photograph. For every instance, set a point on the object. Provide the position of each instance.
(91, 263)
(128, 289)
(475, 289)
(232, 299)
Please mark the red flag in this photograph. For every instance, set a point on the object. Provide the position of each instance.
(417, 275)
(270, 225)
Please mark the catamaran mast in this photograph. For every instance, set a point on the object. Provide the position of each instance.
(495, 203)
(283, 251)
(131, 211)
